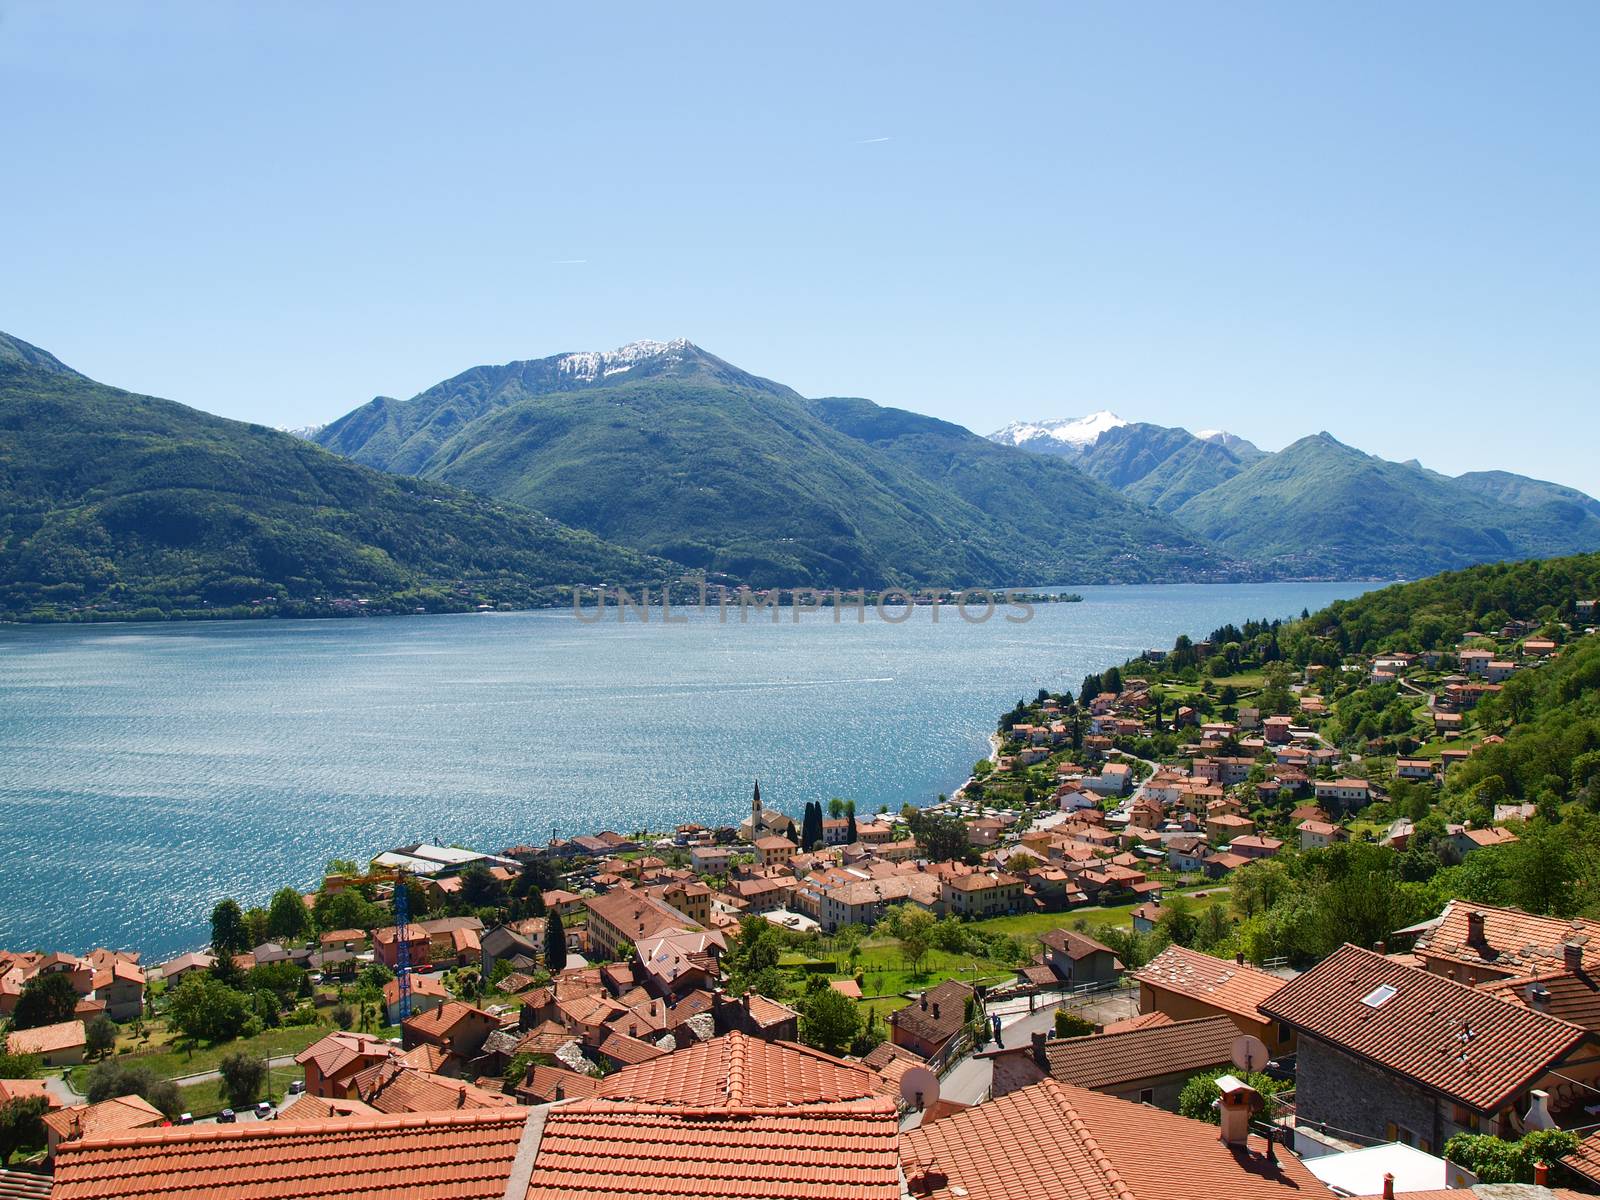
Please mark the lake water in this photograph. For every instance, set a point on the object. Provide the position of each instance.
(145, 771)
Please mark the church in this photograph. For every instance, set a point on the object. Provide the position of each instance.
(764, 822)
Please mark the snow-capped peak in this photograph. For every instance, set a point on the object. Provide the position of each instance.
(598, 364)
(1071, 431)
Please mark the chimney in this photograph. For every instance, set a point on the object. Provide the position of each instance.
(1238, 958)
(1039, 1056)
(924, 1003)
(1380, 947)
(1538, 1114)
(1475, 928)
(1539, 997)
(1388, 1185)
(1541, 1174)
(1572, 956)
(936, 1011)
(1237, 1104)
(561, 1092)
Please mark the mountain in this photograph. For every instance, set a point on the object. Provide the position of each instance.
(1058, 510)
(1066, 438)
(669, 449)
(1159, 466)
(1241, 449)
(112, 503)
(1321, 507)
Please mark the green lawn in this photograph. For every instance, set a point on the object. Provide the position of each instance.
(170, 1062)
(207, 1099)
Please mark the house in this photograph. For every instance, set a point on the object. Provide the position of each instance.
(1277, 730)
(1317, 834)
(1078, 959)
(981, 894)
(107, 1119)
(520, 939)
(1393, 1053)
(773, 850)
(444, 942)
(60, 1045)
(711, 860)
(173, 970)
(351, 941)
(1225, 827)
(1147, 1065)
(626, 916)
(927, 1025)
(1461, 841)
(1053, 1140)
(1415, 768)
(1113, 779)
(1342, 794)
(455, 1027)
(1256, 846)
(1498, 671)
(427, 993)
(1186, 984)
(1478, 943)
(1475, 661)
(333, 1062)
(1186, 852)
(690, 897)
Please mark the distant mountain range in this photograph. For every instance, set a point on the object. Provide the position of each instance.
(503, 483)
(117, 504)
(1319, 507)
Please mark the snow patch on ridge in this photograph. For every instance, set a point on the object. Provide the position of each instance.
(1071, 431)
(600, 364)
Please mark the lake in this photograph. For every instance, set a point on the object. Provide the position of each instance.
(146, 771)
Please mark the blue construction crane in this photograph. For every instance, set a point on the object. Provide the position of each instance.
(402, 958)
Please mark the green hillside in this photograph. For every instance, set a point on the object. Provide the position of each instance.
(1159, 466)
(1058, 512)
(668, 449)
(1321, 507)
(112, 503)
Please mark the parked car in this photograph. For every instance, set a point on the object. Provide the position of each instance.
(296, 1087)
(263, 1110)
(226, 1117)
(186, 1119)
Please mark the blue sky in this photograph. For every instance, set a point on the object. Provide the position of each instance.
(1374, 219)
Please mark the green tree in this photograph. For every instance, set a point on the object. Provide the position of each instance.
(940, 836)
(480, 889)
(1200, 1093)
(229, 934)
(1071, 1025)
(287, 919)
(112, 1078)
(850, 835)
(346, 909)
(555, 944)
(100, 1036)
(1178, 923)
(22, 1125)
(208, 1010)
(829, 1021)
(243, 1075)
(18, 1066)
(46, 999)
(916, 937)
(1494, 1160)
(1542, 872)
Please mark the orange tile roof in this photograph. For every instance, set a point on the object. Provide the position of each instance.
(1571, 995)
(1585, 1160)
(598, 1149)
(23, 1185)
(1113, 1059)
(1142, 1021)
(1418, 1031)
(307, 1107)
(26, 1089)
(1066, 1143)
(431, 1156)
(45, 1039)
(1514, 942)
(1225, 985)
(337, 1051)
(441, 1022)
(109, 1117)
(738, 1071)
(393, 1087)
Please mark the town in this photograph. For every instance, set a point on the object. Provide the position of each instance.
(1290, 910)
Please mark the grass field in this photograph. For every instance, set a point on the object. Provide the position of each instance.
(207, 1099)
(170, 1062)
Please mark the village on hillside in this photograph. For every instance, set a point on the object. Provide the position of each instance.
(1224, 900)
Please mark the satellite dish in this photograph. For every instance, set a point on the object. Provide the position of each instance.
(1250, 1053)
(919, 1088)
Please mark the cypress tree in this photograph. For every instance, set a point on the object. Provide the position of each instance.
(555, 944)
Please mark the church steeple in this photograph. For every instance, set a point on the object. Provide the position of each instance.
(755, 807)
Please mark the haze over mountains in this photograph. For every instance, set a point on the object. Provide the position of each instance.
(505, 483)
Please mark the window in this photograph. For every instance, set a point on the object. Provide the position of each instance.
(1380, 995)
(1147, 1096)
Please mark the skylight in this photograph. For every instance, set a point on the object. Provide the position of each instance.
(1380, 995)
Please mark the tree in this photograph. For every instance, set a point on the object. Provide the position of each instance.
(479, 889)
(751, 963)
(1494, 1160)
(555, 944)
(21, 1125)
(46, 999)
(517, 1069)
(811, 827)
(835, 807)
(1178, 923)
(287, 919)
(850, 835)
(18, 1066)
(1198, 1098)
(100, 1036)
(228, 932)
(916, 937)
(1071, 1025)
(345, 909)
(940, 836)
(208, 1010)
(110, 1079)
(242, 1077)
(829, 1021)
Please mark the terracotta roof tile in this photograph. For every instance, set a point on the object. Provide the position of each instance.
(458, 1156)
(393, 1087)
(1109, 1059)
(1222, 983)
(1514, 942)
(108, 1117)
(738, 1071)
(598, 1149)
(44, 1039)
(1461, 1042)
